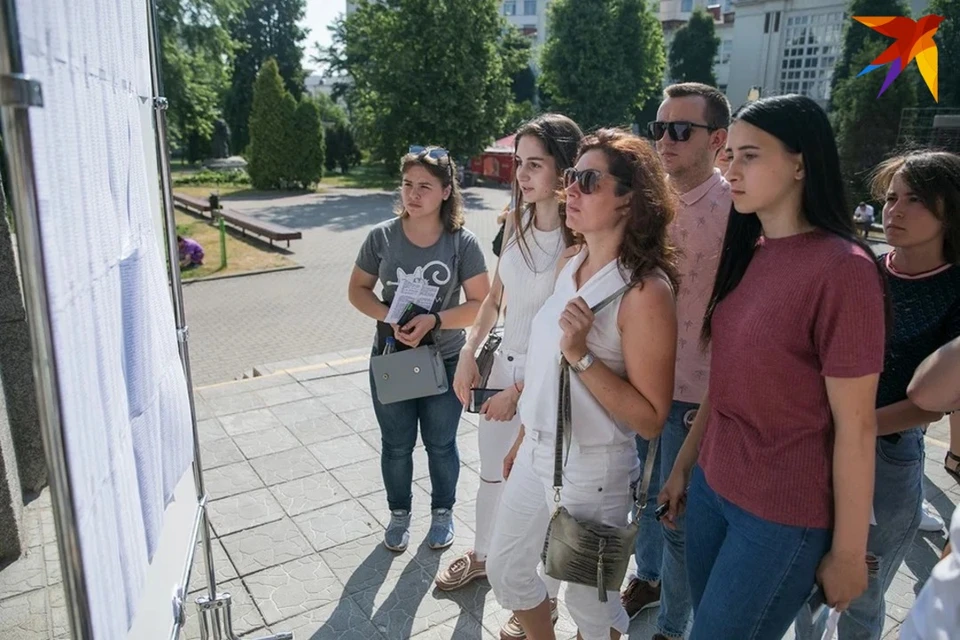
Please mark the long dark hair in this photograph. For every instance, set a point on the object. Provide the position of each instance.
(802, 126)
(934, 177)
(653, 207)
(561, 137)
(444, 170)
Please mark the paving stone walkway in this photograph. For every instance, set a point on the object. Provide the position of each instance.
(291, 463)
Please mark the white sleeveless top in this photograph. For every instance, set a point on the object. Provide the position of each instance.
(527, 286)
(592, 425)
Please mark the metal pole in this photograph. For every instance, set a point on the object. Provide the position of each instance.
(18, 93)
(173, 260)
(223, 243)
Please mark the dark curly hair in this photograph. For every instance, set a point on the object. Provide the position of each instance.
(646, 240)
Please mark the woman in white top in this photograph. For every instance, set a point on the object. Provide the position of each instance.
(535, 239)
(619, 206)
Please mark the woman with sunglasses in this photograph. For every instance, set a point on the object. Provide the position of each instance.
(535, 238)
(426, 241)
(619, 207)
(921, 220)
(779, 460)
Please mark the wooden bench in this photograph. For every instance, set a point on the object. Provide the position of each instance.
(191, 204)
(270, 230)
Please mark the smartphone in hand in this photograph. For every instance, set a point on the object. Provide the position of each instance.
(410, 312)
(478, 397)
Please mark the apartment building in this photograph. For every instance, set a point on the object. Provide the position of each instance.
(789, 46)
(676, 13)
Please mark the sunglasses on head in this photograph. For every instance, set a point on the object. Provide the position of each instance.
(588, 179)
(437, 153)
(679, 131)
(434, 153)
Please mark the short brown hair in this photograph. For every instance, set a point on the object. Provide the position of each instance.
(646, 240)
(444, 170)
(717, 110)
(934, 177)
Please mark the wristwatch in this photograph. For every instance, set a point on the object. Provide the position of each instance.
(583, 363)
(437, 317)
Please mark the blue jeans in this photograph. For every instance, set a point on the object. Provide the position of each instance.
(897, 507)
(438, 417)
(749, 577)
(656, 560)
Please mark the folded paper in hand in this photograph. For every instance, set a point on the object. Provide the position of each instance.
(411, 290)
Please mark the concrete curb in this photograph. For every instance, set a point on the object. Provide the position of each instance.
(242, 274)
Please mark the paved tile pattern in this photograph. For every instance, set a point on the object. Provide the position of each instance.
(299, 522)
(238, 323)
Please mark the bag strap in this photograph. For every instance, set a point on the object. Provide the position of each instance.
(507, 233)
(449, 294)
(564, 426)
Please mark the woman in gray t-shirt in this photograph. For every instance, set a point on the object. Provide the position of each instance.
(425, 241)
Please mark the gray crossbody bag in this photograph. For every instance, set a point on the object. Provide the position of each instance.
(579, 551)
(415, 373)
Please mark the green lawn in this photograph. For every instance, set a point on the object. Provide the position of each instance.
(362, 177)
(244, 253)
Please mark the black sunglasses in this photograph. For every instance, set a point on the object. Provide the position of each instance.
(679, 131)
(588, 179)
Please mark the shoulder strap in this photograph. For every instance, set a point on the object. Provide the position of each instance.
(610, 298)
(507, 233)
(455, 270)
(564, 424)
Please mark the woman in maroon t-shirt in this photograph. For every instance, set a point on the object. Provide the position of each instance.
(779, 460)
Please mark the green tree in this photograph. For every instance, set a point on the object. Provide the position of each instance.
(694, 49)
(856, 36)
(517, 114)
(517, 50)
(342, 149)
(271, 121)
(265, 29)
(341, 145)
(948, 51)
(425, 72)
(308, 141)
(196, 51)
(866, 126)
(602, 60)
(330, 111)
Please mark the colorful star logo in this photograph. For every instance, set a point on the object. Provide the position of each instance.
(914, 40)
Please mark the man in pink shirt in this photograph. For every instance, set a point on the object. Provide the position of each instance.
(689, 130)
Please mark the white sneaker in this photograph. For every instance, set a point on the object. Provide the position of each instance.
(930, 521)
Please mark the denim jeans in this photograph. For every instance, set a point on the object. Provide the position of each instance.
(897, 507)
(656, 560)
(438, 417)
(749, 577)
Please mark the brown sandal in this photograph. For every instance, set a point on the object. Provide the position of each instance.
(952, 464)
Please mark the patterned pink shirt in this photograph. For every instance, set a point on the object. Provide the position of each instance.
(698, 232)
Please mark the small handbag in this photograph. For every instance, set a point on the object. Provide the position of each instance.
(486, 356)
(414, 373)
(579, 551)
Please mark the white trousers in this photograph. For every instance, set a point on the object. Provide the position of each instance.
(495, 440)
(596, 487)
